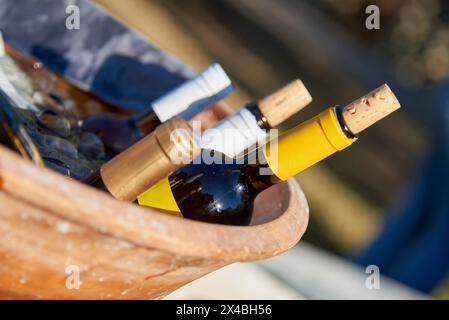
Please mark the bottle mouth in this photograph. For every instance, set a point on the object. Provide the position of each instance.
(344, 127)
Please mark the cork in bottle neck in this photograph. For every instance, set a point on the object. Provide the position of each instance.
(283, 103)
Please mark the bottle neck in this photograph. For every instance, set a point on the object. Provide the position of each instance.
(341, 121)
(308, 144)
(294, 151)
(236, 133)
(260, 118)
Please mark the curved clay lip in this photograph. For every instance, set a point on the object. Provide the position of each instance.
(150, 228)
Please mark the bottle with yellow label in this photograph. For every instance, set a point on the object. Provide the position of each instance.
(224, 191)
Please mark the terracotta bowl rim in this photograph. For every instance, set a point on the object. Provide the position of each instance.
(150, 228)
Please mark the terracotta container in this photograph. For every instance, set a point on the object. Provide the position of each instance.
(60, 239)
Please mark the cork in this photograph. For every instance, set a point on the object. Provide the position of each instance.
(370, 108)
(136, 169)
(283, 103)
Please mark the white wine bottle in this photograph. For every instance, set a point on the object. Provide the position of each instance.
(224, 191)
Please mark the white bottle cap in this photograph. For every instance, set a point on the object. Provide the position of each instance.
(194, 95)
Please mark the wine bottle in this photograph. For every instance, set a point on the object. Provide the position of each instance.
(137, 168)
(118, 133)
(248, 127)
(224, 193)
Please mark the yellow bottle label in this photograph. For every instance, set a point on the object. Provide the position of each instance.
(306, 144)
(295, 150)
(160, 196)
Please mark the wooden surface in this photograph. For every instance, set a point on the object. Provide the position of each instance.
(49, 222)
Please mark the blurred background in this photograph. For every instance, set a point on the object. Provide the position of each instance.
(377, 203)
(383, 202)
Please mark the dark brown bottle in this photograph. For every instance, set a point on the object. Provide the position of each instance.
(227, 189)
(217, 189)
